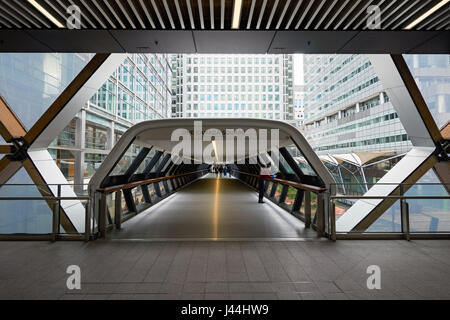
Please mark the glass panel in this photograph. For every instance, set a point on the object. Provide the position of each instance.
(429, 215)
(126, 160)
(34, 216)
(285, 165)
(296, 153)
(290, 197)
(67, 137)
(65, 160)
(138, 196)
(30, 217)
(92, 162)
(390, 221)
(151, 190)
(96, 138)
(162, 188)
(269, 189)
(160, 160)
(111, 204)
(313, 205)
(146, 162)
(432, 75)
(278, 192)
(30, 82)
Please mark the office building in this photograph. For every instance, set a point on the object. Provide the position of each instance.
(139, 90)
(235, 86)
(346, 109)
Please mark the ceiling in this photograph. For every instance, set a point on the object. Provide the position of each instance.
(206, 26)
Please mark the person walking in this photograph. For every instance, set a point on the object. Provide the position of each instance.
(264, 175)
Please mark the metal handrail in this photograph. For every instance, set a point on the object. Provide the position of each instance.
(56, 212)
(390, 197)
(294, 184)
(132, 185)
(404, 210)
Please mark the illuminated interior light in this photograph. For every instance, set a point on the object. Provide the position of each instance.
(46, 13)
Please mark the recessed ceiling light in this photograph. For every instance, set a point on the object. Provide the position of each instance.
(46, 13)
(426, 14)
(236, 14)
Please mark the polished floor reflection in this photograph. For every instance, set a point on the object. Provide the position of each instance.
(213, 208)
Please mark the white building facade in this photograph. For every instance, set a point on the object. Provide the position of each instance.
(233, 86)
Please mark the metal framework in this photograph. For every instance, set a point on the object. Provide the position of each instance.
(30, 147)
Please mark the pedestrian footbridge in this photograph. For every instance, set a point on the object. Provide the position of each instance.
(157, 182)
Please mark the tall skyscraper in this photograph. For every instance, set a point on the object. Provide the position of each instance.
(236, 86)
(139, 90)
(346, 109)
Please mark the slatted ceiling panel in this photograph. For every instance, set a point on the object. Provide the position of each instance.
(143, 14)
(165, 16)
(229, 15)
(274, 12)
(293, 15)
(195, 14)
(184, 13)
(266, 14)
(245, 14)
(310, 14)
(436, 15)
(217, 8)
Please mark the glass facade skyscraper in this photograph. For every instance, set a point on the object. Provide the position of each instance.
(138, 90)
(346, 109)
(236, 86)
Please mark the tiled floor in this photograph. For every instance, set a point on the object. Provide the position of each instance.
(213, 209)
(226, 269)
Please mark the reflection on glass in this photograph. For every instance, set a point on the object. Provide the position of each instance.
(31, 82)
(432, 75)
(389, 221)
(34, 216)
(290, 197)
(126, 160)
(301, 161)
(278, 192)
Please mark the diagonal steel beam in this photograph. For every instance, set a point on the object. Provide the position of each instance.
(423, 132)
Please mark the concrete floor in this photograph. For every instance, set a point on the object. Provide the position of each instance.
(212, 208)
(225, 269)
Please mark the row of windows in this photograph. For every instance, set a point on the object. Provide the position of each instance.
(354, 126)
(275, 116)
(229, 97)
(209, 70)
(232, 88)
(236, 106)
(235, 60)
(231, 79)
(374, 141)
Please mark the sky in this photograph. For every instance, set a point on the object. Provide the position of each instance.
(298, 69)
